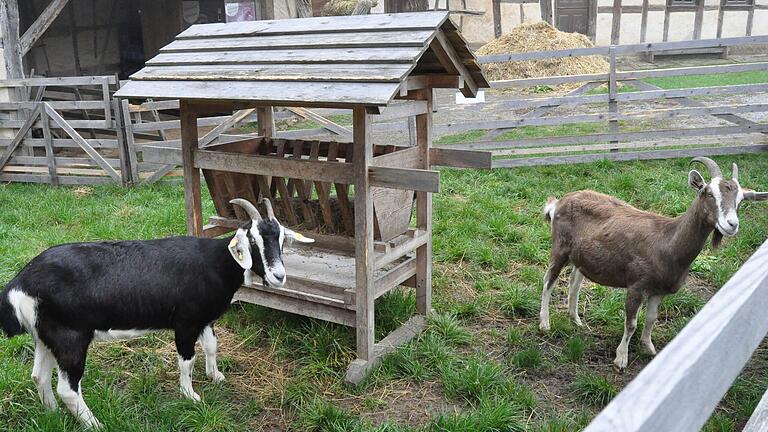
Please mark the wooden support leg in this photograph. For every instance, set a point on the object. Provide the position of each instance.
(364, 293)
(192, 198)
(424, 214)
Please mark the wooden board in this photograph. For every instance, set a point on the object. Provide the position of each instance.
(298, 56)
(276, 72)
(333, 94)
(357, 23)
(371, 39)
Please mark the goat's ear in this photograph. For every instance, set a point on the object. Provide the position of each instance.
(751, 195)
(696, 181)
(293, 235)
(241, 249)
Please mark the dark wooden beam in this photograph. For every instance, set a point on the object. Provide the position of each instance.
(46, 18)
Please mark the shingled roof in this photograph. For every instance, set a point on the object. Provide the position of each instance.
(334, 61)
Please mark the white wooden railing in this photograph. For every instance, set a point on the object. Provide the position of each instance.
(681, 387)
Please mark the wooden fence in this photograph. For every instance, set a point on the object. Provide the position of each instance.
(681, 387)
(64, 134)
(638, 141)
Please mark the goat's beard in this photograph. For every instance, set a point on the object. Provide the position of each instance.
(717, 238)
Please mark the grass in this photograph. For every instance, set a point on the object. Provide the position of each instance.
(479, 365)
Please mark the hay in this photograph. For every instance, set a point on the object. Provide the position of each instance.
(540, 36)
(345, 7)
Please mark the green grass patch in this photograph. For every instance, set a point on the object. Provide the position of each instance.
(593, 389)
(713, 80)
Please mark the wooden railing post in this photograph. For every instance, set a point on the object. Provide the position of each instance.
(424, 212)
(189, 145)
(613, 105)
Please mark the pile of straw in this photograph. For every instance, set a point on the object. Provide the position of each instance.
(540, 36)
(347, 7)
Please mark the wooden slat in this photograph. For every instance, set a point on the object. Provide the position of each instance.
(397, 110)
(62, 142)
(61, 81)
(628, 156)
(78, 105)
(192, 201)
(324, 122)
(63, 179)
(692, 70)
(226, 124)
(446, 53)
(273, 166)
(311, 56)
(405, 178)
(334, 94)
(82, 143)
(335, 24)
(758, 421)
(372, 39)
(681, 387)
(375, 72)
(20, 135)
(418, 239)
(296, 306)
(395, 277)
(459, 158)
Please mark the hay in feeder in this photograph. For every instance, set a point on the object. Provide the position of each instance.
(540, 36)
(347, 7)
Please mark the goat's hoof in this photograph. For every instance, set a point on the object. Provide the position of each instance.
(217, 377)
(194, 397)
(544, 326)
(620, 362)
(51, 405)
(577, 321)
(649, 349)
(93, 424)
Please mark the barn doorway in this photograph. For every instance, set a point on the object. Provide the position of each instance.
(575, 16)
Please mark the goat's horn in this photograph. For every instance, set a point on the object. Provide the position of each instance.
(248, 207)
(268, 205)
(714, 170)
(735, 171)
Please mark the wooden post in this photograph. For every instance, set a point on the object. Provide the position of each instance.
(364, 259)
(424, 212)
(496, 17)
(49, 155)
(613, 105)
(616, 22)
(192, 198)
(266, 121)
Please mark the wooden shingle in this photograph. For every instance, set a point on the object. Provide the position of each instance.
(326, 61)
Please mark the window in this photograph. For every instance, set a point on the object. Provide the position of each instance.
(738, 3)
(683, 3)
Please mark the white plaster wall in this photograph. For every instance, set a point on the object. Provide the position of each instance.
(479, 29)
(603, 30)
(532, 12)
(654, 28)
(709, 24)
(760, 22)
(629, 32)
(631, 3)
(735, 23)
(681, 26)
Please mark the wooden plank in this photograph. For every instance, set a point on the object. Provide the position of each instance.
(372, 39)
(397, 110)
(82, 143)
(616, 22)
(402, 335)
(376, 72)
(758, 421)
(681, 387)
(192, 200)
(613, 105)
(324, 122)
(625, 49)
(154, 105)
(342, 191)
(273, 166)
(349, 56)
(50, 160)
(496, 5)
(58, 81)
(62, 142)
(698, 20)
(459, 158)
(337, 94)
(20, 134)
(335, 24)
(395, 277)
(73, 105)
(41, 24)
(643, 21)
(418, 238)
(63, 179)
(296, 306)
(605, 137)
(447, 55)
(405, 178)
(553, 80)
(226, 124)
(130, 144)
(729, 140)
(364, 257)
(60, 160)
(424, 213)
(720, 14)
(629, 156)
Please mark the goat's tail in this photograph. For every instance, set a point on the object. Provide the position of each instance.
(549, 209)
(9, 324)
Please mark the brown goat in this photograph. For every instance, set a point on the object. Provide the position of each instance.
(614, 244)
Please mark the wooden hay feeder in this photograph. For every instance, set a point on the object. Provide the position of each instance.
(356, 198)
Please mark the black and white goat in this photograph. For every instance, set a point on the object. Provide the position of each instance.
(73, 294)
(614, 244)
